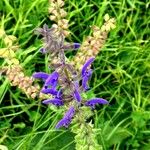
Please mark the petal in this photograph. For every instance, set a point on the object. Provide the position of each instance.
(59, 93)
(49, 91)
(52, 80)
(77, 95)
(70, 113)
(85, 66)
(85, 84)
(63, 123)
(94, 101)
(41, 75)
(54, 101)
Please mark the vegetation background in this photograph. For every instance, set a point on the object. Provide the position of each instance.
(121, 75)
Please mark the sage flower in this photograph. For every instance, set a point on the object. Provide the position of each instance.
(94, 101)
(40, 75)
(49, 91)
(54, 101)
(66, 120)
(52, 80)
(86, 73)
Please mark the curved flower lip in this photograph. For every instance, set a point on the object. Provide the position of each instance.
(63, 123)
(77, 95)
(85, 66)
(94, 101)
(52, 80)
(66, 120)
(70, 113)
(85, 80)
(55, 101)
(85, 84)
(49, 91)
(40, 75)
(59, 94)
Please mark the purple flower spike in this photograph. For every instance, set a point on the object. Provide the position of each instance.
(94, 101)
(49, 91)
(76, 45)
(63, 123)
(66, 119)
(86, 65)
(52, 80)
(41, 75)
(55, 101)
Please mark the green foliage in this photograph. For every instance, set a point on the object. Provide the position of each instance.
(121, 75)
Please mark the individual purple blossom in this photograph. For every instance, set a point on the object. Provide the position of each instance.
(85, 80)
(94, 101)
(59, 94)
(63, 123)
(66, 120)
(52, 80)
(49, 91)
(54, 101)
(76, 93)
(41, 75)
(86, 73)
(86, 65)
(70, 113)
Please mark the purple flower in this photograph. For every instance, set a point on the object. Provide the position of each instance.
(85, 80)
(86, 65)
(70, 113)
(76, 93)
(66, 120)
(40, 75)
(59, 94)
(49, 91)
(94, 101)
(52, 80)
(63, 123)
(86, 73)
(55, 101)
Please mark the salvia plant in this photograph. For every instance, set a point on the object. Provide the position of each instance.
(69, 79)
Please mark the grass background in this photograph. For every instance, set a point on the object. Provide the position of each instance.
(121, 75)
